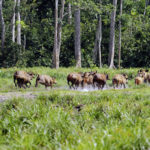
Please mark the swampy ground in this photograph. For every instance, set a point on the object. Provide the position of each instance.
(61, 118)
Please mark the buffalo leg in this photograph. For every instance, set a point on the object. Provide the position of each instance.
(103, 86)
(124, 86)
(99, 86)
(72, 86)
(28, 86)
(69, 84)
(36, 85)
(19, 83)
(46, 87)
(113, 84)
(82, 84)
(23, 85)
(15, 81)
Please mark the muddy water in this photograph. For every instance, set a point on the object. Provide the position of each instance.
(90, 88)
(33, 94)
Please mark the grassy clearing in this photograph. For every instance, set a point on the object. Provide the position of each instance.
(6, 76)
(109, 119)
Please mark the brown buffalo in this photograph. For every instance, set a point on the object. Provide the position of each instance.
(100, 80)
(74, 80)
(145, 74)
(148, 77)
(45, 80)
(23, 78)
(139, 80)
(88, 78)
(120, 79)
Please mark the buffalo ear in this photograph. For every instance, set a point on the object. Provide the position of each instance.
(146, 70)
(141, 70)
(83, 74)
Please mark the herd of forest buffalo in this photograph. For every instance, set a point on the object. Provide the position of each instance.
(80, 79)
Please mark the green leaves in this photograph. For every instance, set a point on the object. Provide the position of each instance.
(37, 22)
(23, 25)
(133, 12)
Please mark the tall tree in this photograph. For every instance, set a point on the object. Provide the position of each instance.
(18, 24)
(55, 59)
(98, 39)
(2, 26)
(58, 27)
(77, 38)
(69, 13)
(147, 2)
(112, 36)
(120, 36)
(59, 32)
(14, 21)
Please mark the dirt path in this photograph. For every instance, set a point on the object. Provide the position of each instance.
(11, 95)
(33, 94)
(27, 94)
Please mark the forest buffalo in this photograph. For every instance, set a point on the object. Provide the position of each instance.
(88, 78)
(120, 79)
(23, 78)
(100, 80)
(74, 80)
(45, 80)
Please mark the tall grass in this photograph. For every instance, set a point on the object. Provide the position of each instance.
(107, 120)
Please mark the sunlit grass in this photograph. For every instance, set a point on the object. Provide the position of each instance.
(6, 76)
(109, 119)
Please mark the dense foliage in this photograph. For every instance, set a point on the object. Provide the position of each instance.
(37, 21)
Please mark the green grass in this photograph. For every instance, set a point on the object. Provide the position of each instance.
(6, 76)
(109, 119)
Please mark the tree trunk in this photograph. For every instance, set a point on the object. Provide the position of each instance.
(147, 2)
(55, 59)
(25, 39)
(13, 22)
(99, 43)
(112, 36)
(96, 44)
(98, 39)
(60, 24)
(19, 24)
(3, 26)
(77, 38)
(119, 46)
(69, 13)
(24, 42)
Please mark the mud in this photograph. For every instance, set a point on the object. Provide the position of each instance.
(11, 95)
(90, 88)
(34, 94)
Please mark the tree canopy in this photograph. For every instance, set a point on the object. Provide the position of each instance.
(37, 33)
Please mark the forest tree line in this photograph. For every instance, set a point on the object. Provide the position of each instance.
(81, 33)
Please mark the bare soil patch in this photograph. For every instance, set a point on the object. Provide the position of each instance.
(11, 95)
